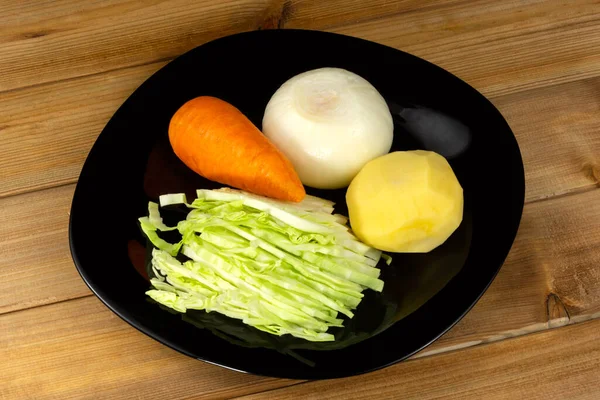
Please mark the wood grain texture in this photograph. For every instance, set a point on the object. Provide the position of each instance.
(499, 47)
(44, 41)
(558, 133)
(47, 131)
(35, 262)
(79, 349)
(562, 363)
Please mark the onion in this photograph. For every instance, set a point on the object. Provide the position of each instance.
(329, 122)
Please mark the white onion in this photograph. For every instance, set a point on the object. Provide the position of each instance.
(329, 123)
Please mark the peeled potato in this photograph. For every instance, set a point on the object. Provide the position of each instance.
(405, 202)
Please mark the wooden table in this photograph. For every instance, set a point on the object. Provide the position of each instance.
(66, 66)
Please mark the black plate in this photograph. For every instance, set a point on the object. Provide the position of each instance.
(424, 295)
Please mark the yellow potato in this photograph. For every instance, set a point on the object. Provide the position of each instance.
(405, 202)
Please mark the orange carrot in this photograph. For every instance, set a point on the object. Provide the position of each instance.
(217, 141)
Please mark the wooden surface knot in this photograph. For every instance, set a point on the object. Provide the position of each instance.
(277, 15)
(558, 315)
(592, 171)
(35, 34)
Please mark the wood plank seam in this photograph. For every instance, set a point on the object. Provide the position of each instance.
(39, 187)
(585, 24)
(448, 351)
(512, 365)
(573, 192)
(99, 73)
(66, 300)
(517, 333)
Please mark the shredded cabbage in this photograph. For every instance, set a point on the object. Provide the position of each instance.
(283, 268)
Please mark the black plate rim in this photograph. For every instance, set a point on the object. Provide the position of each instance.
(520, 186)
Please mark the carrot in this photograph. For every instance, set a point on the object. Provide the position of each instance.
(217, 141)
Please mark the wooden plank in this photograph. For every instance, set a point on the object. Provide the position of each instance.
(45, 41)
(87, 37)
(79, 349)
(557, 130)
(499, 47)
(35, 262)
(43, 149)
(558, 364)
(45, 142)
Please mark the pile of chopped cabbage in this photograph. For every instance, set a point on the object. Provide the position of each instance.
(283, 268)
